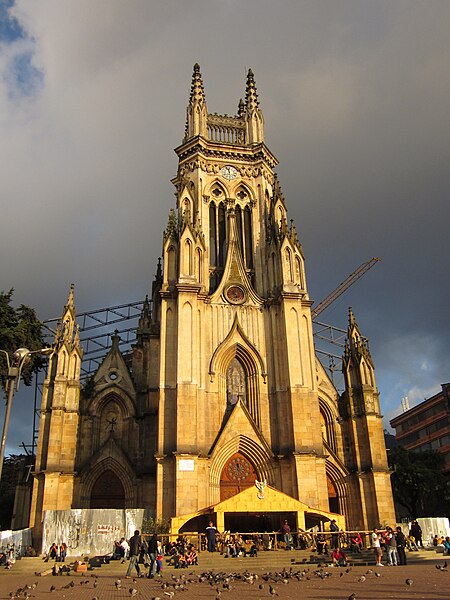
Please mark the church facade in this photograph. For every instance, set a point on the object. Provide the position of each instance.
(223, 391)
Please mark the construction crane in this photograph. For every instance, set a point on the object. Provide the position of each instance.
(342, 287)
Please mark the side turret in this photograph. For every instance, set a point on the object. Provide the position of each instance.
(253, 115)
(359, 373)
(59, 419)
(197, 113)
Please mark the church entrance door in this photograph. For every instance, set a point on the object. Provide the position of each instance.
(108, 492)
(238, 474)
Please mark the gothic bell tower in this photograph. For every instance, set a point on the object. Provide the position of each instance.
(237, 368)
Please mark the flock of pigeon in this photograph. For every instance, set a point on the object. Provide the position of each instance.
(220, 582)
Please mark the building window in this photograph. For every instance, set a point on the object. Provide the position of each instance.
(236, 383)
(217, 243)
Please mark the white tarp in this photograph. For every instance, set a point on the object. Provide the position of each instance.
(89, 531)
(432, 526)
(21, 538)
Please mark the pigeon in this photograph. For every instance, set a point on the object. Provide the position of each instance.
(132, 592)
(170, 594)
(95, 598)
(53, 588)
(409, 582)
(272, 591)
(377, 574)
(118, 584)
(352, 596)
(361, 579)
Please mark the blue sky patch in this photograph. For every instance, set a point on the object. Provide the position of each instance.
(23, 78)
(10, 28)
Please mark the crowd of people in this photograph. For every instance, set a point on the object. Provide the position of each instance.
(389, 543)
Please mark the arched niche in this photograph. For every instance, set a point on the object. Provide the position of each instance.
(107, 491)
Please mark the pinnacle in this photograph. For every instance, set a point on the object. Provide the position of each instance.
(70, 300)
(251, 97)
(241, 108)
(197, 90)
(351, 316)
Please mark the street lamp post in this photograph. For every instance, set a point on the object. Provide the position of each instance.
(20, 358)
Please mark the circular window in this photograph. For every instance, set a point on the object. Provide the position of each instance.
(113, 376)
(238, 468)
(235, 294)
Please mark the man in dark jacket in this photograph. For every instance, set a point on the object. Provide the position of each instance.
(135, 550)
(153, 553)
(401, 545)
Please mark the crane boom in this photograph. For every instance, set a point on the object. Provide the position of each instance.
(342, 287)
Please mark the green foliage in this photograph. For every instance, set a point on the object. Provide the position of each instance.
(88, 388)
(19, 327)
(14, 471)
(418, 482)
(151, 525)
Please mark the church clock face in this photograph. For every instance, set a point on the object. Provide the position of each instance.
(235, 294)
(229, 172)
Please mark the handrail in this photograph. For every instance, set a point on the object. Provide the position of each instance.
(277, 536)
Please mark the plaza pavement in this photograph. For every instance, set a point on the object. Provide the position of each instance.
(278, 573)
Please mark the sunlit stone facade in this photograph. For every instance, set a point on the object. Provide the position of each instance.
(224, 387)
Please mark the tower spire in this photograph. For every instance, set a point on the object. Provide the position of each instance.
(197, 112)
(253, 114)
(251, 96)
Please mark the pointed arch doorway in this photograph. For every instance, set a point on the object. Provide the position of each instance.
(237, 475)
(107, 491)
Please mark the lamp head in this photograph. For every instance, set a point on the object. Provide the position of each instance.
(21, 356)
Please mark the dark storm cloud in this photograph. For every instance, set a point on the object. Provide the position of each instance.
(356, 101)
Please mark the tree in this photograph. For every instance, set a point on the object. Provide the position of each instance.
(418, 482)
(15, 469)
(19, 327)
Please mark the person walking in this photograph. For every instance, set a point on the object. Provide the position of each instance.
(135, 550)
(153, 554)
(287, 535)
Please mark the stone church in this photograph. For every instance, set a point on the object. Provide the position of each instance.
(223, 411)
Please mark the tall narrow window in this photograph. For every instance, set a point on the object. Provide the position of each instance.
(212, 235)
(239, 227)
(222, 236)
(236, 383)
(248, 238)
(217, 244)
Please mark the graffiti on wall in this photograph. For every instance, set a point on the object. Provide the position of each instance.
(89, 531)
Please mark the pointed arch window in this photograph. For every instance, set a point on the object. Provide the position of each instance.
(217, 243)
(248, 250)
(244, 233)
(236, 383)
